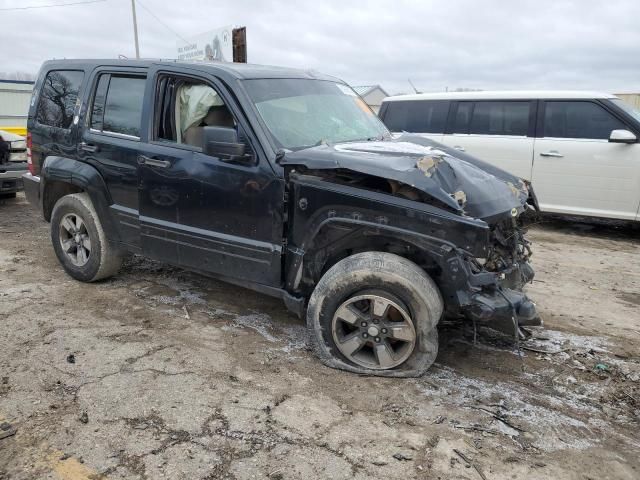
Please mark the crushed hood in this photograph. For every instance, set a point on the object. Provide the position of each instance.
(464, 183)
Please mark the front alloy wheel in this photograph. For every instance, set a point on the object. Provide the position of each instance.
(373, 331)
(376, 313)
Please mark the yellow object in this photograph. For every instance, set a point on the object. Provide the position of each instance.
(17, 130)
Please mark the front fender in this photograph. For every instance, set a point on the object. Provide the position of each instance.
(317, 205)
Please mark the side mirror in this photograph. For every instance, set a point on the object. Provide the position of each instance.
(622, 136)
(222, 142)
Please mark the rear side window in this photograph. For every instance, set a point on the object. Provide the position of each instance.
(117, 104)
(579, 120)
(58, 98)
(499, 118)
(416, 116)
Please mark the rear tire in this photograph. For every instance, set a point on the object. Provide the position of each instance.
(376, 313)
(80, 242)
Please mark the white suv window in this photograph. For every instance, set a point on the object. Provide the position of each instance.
(578, 120)
(416, 116)
(493, 118)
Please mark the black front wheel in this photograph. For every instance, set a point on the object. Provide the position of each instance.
(376, 313)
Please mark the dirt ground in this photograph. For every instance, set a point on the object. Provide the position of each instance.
(160, 373)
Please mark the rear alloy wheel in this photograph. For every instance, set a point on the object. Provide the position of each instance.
(74, 239)
(376, 313)
(80, 242)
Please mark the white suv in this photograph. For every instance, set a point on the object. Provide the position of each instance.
(579, 149)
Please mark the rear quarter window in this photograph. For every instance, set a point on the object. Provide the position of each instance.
(58, 99)
(416, 116)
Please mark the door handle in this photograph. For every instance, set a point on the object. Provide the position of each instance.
(551, 153)
(153, 162)
(88, 147)
(458, 147)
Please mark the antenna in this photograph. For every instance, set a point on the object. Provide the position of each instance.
(413, 86)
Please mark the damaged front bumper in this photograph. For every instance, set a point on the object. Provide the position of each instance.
(494, 297)
(500, 303)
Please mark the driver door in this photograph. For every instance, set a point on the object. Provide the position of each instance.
(197, 210)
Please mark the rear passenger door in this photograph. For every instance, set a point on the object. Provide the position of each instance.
(498, 132)
(111, 141)
(425, 117)
(576, 169)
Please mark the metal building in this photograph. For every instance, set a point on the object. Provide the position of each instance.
(632, 99)
(15, 96)
(372, 95)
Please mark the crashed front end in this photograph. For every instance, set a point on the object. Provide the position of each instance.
(463, 222)
(493, 291)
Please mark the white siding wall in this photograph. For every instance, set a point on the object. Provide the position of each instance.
(632, 99)
(374, 99)
(14, 104)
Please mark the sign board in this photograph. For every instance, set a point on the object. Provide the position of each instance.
(214, 46)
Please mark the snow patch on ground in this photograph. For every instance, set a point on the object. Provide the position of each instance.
(553, 340)
(258, 322)
(520, 407)
(297, 338)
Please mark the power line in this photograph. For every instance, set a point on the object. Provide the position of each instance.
(161, 22)
(53, 5)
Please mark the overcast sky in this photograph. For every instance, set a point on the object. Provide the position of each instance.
(485, 44)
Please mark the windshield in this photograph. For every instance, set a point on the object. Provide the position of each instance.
(627, 108)
(303, 113)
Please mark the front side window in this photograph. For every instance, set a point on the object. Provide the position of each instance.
(58, 98)
(579, 120)
(419, 116)
(300, 113)
(117, 104)
(184, 107)
(500, 118)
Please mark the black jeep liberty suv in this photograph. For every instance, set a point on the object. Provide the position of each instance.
(282, 181)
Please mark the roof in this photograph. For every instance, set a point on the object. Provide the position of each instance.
(502, 95)
(21, 82)
(238, 70)
(363, 90)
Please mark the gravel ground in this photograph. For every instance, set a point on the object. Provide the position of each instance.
(161, 373)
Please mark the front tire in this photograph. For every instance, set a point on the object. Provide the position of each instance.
(376, 313)
(80, 242)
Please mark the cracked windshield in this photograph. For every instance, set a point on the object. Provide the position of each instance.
(305, 113)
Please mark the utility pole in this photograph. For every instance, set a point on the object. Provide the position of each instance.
(135, 27)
